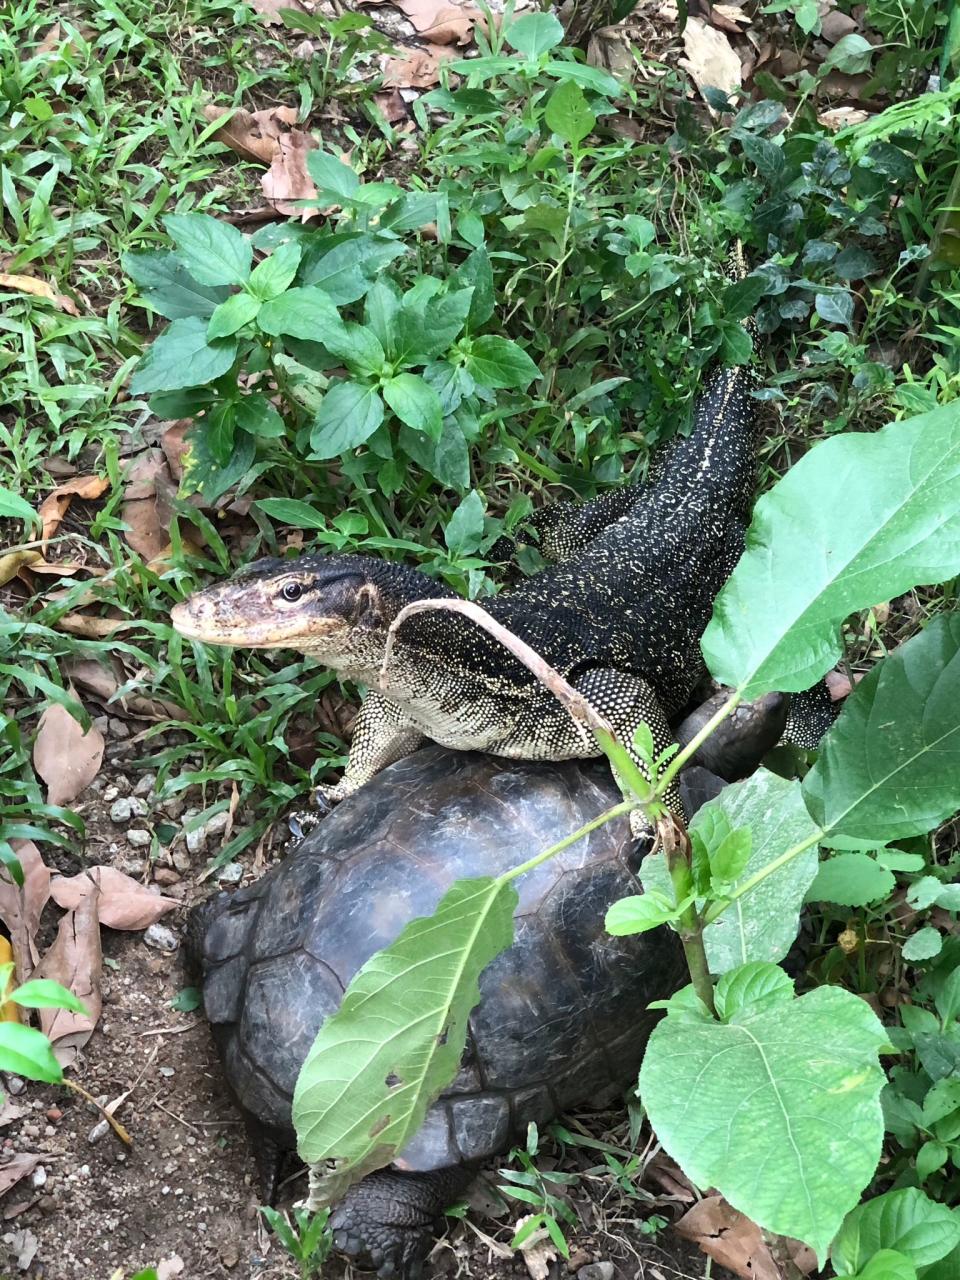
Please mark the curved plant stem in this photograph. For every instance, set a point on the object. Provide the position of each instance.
(681, 758)
(718, 908)
(618, 811)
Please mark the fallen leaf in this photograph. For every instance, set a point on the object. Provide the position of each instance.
(169, 1267)
(710, 60)
(730, 1238)
(17, 1167)
(54, 506)
(419, 70)
(75, 961)
(79, 624)
(729, 17)
(842, 117)
(25, 1245)
(21, 907)
(270, 9)
(440, 21)
(10, 1112)
(287, 178)
(124, 903)
(38, 289)
(66, 758)
(48, 42)
(14, 561)
(174, 444)
(253, 134)
(146, 517)
(392, 106)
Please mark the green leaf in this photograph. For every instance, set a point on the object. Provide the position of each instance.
(750, 988)
(399, 1034)
(208, 473)
(430, 325)
(11, 504)
(475, 272)
(905, 1220)
(931, 1157)
(727, 849)
(187, 1000)
(890, 765)
(415, 403)
(465, 527)
(923, 945)
(347, 271)
(639, 913)
(332, 175)
(304, 313)
(168, 287)
(270, 277)
(764, 922)
(852, 54)
(568, 115)
(851, 880)
(239, 309)
(349, 414)
(534, 34)
(887, 1265)
(44, 993)
(813, 1125)
(741, 297)
(255, 413)
(26, 1052)
(860, 518)
(498, 362)
(182, 357)
(213, 252)
(292, 511)
(358, 347)
(380, 311)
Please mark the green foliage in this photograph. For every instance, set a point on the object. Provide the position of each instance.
(24, 1050)
(307, 1238)
(906, 1221)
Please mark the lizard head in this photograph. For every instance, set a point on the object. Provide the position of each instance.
(331, 607)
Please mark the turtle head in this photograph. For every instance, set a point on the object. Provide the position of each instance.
(335, 608)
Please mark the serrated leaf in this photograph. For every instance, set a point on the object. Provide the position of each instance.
(638, 913)
(168, 287)
(465, 527)
(349, 414)
(923, 945)
(814, 1125)
(750, 988)
(399, 1034)
(860, 518)
(231, 315)
(213, 252)
(182, 357)
(905, 1220)
(27, 1052)
(890, 765)
(498, 362)
(415, 403)
(534, 34)
(305, 312)
(726, 849)
(851, 880)
(568, 114)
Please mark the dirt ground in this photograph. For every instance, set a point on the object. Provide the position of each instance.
(185, 1191)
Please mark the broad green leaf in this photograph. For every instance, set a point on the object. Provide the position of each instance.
(292, 511)
(851, 880)
(239, 309)
(905, 1220)
(350, 413)
(167, 286)
(44, 993)
(448, 459)
(764, 922)
(639, 913)
(255, 413)
(947, 1268)
(332, 175)
(852, 54)
(586, 76)
(218, 428)
(796, 1157)
(726, 848)
(931, 1157)
(534, 33)
(858, 519)
(213, 252)
(398, 1036)
(204, 472)
(431, 325)
(347, 271)
(890, 765)
(380, 310)
(358, 347)
(182, 357)
(11, 504)
(923, 945)
(465, 527)
(304, 313)
(740, 298)
(415, 403)
(888, 1265)
(568, 114)
(475, 272)
(270, 277)
(498, 362)
(26, 1052)
(835, 308)
(753, 987)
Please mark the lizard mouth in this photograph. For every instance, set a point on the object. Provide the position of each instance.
(210, 622)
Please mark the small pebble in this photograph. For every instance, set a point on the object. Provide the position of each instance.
(39, 1177)
(102, 724)
(31, 1131)
(196, 841)
(232, 873)
(166, 1072)
(132, 866)
(218, 823)
(160, 937)
(126, 808)
(139, 838)
(596, 1271)
(54, 1114)
(119, 728)
(166, 875)
(181, 860)
(145, 785)
(15, 1084)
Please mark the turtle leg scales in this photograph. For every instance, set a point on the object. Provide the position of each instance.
(388, 1221)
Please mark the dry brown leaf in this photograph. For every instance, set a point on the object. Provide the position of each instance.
(841, 117)
(21, 907)
(730, 1238)
(174, 444)
(440, 21)
(17, 1167)
(253, 134)
(54, 506)
(124, 903)
(48, 42)
(419, 70)
(14, 561)
(66, 758)
(9, 1112)
(75, 961)
(142, 511)
(729, 17)
(391, 105)
(95, 676)
(710, 60)
(287, 178)
(270, 9)
(39, 289)
(79, 624)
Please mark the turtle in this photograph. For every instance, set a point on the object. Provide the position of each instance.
(563, 1015)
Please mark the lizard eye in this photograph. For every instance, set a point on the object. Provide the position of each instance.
(292, 591)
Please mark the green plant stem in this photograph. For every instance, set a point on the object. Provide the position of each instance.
(691, 927)
(698, 739)
(718, 908)
(618, 811)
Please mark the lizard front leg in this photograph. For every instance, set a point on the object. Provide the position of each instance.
(626, 701)
(382, 734)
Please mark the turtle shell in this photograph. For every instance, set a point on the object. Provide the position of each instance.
(563, 1013)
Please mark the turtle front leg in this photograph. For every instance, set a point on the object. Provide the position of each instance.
(382, 734)
(387, 1222)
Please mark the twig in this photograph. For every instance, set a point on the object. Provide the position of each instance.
(173, 1115)
(166, 1031)
(582, 712)
(115, 1125)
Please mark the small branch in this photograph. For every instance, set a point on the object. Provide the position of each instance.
(115, 1125)
(675, 841)
(618, 811)
(580, 710)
